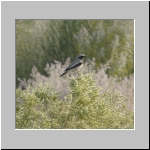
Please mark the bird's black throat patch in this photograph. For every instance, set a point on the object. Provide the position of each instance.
(81, 57)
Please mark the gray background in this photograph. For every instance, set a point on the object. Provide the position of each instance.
(110, 139)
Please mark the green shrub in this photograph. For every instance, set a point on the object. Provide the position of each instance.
(31, 107)
(91, 109)
(86, 107)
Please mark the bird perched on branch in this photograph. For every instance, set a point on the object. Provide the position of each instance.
(75, 66)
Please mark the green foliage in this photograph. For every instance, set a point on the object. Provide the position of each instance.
(84, 108)
(31, 107)
(28, 47)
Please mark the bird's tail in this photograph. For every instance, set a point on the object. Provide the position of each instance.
(63, 74)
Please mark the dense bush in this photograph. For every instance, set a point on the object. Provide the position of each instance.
(85, 107)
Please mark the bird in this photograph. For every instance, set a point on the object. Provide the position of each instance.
(75, 66)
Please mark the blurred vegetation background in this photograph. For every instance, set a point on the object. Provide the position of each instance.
(39, 42)
(101, 97)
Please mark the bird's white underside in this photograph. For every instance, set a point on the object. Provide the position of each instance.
(75, 69)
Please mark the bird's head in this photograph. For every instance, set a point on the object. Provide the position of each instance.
(81, 56)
